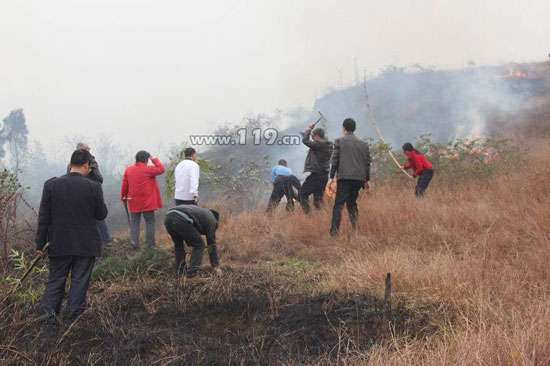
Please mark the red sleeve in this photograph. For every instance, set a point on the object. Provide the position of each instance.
(409, 163)
(417, 164)
(157, 169)
(124, 189)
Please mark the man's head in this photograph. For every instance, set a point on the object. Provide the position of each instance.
(407, 147)
(318, 133)
(349, 125)
(216, 215)
(190, 153)
(80, 162)
(282, 162)
(82, 146)
(142, 156)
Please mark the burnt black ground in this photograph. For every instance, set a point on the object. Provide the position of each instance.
(251, 329)
(251, 316)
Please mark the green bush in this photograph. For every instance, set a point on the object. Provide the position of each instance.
(148, 262)
(29, 291)
(457, 160)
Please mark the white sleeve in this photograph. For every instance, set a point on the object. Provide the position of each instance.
(177, 176)
(194, 180)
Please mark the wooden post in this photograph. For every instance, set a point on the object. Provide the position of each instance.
(387, 307)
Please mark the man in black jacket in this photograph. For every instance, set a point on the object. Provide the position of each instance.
(69, 210)
(350, 163)
(96, 176)
(317, 164)
(186, 223)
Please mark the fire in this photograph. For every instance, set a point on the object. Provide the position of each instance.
(515, 74)
(330, 191)
(488, 155)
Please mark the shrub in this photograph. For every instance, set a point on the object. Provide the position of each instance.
(148, 262)
(477, 159)
(28, 291)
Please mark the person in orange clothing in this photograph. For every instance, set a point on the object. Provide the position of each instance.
(141, 191)
(422, 168)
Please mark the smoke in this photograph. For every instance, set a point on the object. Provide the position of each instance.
(448, 104)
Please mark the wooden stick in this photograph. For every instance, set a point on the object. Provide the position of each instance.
(387, 307)
(373, 121)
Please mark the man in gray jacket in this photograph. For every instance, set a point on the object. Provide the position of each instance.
(317, 164)
(350, 164)
(186, 223)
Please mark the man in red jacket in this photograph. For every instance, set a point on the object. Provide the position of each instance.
(141, 191)
(421, 168)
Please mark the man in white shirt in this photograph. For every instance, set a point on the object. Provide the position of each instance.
(187, 179)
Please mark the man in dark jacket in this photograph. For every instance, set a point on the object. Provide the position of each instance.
(317, 164)
(186, 223)
(69, 210)
(96, 176)
(350, 163)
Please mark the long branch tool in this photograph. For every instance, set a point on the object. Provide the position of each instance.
(373, 121)
(26, 274)
(319, 120)
(125, 202)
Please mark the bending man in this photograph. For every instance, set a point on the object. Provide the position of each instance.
(186, 223)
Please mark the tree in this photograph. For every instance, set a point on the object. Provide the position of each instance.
(14, 133)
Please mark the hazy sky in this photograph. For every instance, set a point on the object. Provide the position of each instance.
(154, 72)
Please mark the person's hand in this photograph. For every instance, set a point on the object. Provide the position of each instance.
(196, 198)
(329, 183)
(367, 186)
(310, 126)
(218, 272)
(41, 253)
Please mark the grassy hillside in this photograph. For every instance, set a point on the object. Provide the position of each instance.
(470, 274)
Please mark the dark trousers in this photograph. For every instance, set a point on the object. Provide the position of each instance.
(314, 184)
(281, 187)
(346, 193)
(423, 182)
(104, 232)
(80, 269)
(185, 202)
(182, 231)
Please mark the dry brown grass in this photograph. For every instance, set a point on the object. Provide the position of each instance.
(470, 276)
(474, 258)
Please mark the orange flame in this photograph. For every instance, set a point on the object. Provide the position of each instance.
(515, 74)
(330, 190)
